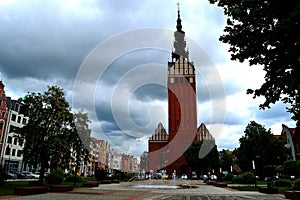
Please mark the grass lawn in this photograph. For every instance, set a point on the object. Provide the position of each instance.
(244, 188)
(8, 187)
(281, 190)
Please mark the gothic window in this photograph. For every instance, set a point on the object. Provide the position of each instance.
(172, 80)
(1, 126)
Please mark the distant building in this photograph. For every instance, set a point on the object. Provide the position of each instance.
(3, 114)
(12, 151)
(144, 163)
(166, 150)
(292, 137)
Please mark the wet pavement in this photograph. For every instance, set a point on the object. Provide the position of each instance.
(154, 190)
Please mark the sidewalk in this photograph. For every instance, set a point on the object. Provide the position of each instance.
(126, 191)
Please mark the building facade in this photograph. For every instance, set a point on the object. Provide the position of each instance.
(12, 151)
(166, 150)
(292, 137)
(3, 113)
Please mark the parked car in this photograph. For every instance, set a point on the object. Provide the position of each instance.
(184, 176)
(11, 176)
(204, 177)
(165, 176)
(213, 177)
(194, 175)
(30, 175)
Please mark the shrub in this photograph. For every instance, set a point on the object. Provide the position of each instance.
(297, 184)
(227, 177)
(71, 179)
(55, 177)
(248, 177)
(282, 183)
(237, 179)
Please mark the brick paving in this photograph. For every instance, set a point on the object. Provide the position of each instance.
(126, 191)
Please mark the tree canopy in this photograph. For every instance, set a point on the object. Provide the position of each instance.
(211, 160)
(261, 146)
(50, 133)
(266, 33)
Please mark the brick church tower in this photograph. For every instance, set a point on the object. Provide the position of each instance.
(166, 151)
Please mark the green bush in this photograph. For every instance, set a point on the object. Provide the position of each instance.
(55, 177)
(237, 179)
(247, 177)
(227, 177)
(282, 183)
(71, 179)
(297, 184)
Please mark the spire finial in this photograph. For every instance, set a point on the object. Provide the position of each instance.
(179, 26)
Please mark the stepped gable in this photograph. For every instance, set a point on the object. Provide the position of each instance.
(203, 133)
(159, 134)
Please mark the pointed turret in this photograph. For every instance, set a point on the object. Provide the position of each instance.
(179, 42)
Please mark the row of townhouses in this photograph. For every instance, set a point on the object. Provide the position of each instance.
(11, 149)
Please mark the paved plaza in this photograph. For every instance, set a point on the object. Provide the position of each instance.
(153, 190)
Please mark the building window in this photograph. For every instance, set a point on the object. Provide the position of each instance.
(19, 119)
(13, 152)
(12, 128)
(191, 80)
(1, 126)
(172, 80)
(15, 141)
(21, 143)
(24, 121)
(7, 150)
(13, 117)
(9, 139)
(19, 153)
(3, 114)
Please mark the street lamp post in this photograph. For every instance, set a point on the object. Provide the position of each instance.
(253, 166)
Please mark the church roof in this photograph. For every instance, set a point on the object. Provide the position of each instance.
(203, 133)
(160, 133)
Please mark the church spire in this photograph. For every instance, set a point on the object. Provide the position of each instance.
(178, 26)
(179, 42)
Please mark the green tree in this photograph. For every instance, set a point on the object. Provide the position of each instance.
(226, 160)
(266, 33)
(47, 133)
(261, 146)
(82, 143)
(211, 160)
(291, 168)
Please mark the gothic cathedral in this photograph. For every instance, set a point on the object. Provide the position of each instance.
(166, 151)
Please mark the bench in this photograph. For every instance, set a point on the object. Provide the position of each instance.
(61, 188)
(23, 191)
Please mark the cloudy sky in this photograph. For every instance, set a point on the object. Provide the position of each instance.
(110, 57)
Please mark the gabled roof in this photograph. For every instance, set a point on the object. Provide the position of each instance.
(160, 133)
